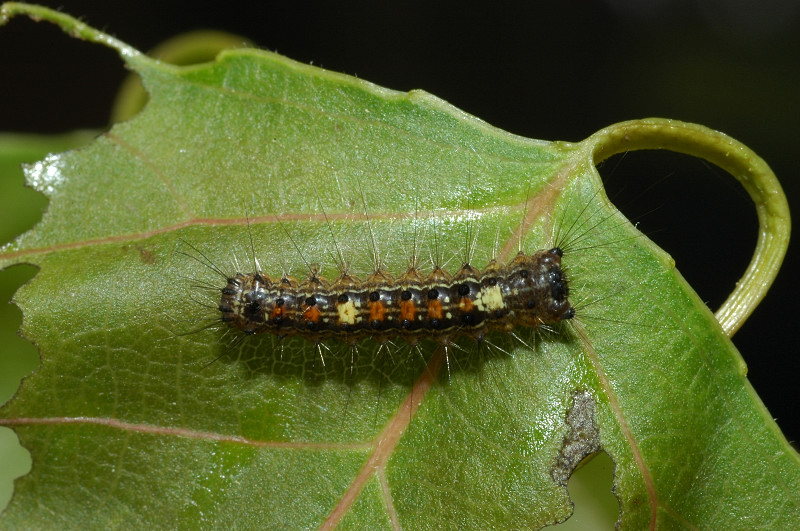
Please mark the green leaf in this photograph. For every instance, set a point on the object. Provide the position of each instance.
(134, 421)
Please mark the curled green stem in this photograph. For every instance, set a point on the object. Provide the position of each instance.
(747, 167)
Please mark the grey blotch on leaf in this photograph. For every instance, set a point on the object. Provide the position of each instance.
(582, 439)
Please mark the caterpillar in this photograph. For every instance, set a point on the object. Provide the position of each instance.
(348, 311)
(531, 290)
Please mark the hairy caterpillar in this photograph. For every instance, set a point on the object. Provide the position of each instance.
(531, 290)
(511, 293)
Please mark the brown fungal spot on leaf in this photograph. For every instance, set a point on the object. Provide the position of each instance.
(146, 255)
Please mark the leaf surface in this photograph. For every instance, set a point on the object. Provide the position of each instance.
(132, 422)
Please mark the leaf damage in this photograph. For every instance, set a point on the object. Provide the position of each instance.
(582, 438)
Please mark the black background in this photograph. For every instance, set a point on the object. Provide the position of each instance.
(549, 70)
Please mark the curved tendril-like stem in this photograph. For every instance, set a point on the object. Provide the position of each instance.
(747, 167)
(70, 25)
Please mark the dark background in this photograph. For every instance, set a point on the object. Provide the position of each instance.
(550, 70)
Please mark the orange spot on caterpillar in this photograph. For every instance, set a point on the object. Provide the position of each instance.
(408, 310)
(435, 310)
(312, 314)
(377, 311)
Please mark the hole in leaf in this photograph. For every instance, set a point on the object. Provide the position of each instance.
(16, 462)
(19, 358)
(596, 507)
